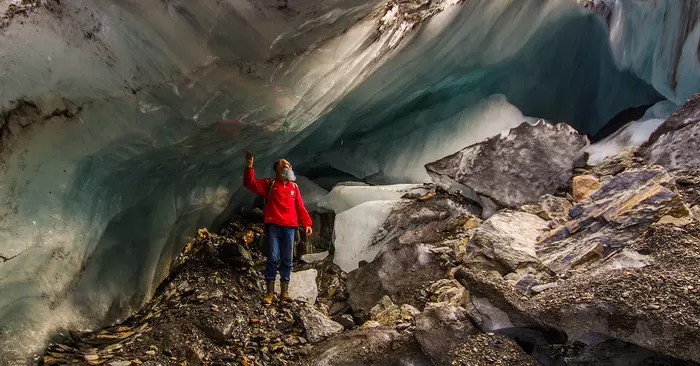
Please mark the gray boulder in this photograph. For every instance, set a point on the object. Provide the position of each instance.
(507, 241)
(318, 326)
(514, 168)
(680, 129)
(368, 346)
(407, 264)
(442, 327)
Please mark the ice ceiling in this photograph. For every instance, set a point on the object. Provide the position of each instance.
(124, 122)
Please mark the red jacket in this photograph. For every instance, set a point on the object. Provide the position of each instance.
(285, 206)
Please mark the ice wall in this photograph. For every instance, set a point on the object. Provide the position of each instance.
(124, 122)
(659, 41)
(475, 70)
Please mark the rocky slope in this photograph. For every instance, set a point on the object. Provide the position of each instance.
(584, 265)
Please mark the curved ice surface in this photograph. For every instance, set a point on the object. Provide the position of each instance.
(135, 116)
(631, 135)
(659, 40)
(343, 198)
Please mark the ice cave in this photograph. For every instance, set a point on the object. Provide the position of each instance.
(123, 124)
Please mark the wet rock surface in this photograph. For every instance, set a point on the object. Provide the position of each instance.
(515, 168)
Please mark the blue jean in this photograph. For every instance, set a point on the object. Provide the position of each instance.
(279, 248)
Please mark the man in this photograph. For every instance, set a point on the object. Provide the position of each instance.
(284, 210)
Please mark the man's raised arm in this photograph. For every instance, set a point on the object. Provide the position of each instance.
(257, 186)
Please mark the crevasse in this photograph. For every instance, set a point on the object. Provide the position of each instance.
(124, 123)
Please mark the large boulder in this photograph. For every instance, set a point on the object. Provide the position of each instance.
(507, 241)
(407, 263)
(612, 218)
(514, 168)
(442, 327)
(318, 326)
(367, 346)
(680, 129)
(655, 304)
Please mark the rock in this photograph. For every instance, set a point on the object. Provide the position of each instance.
(346, 321)
(525, 284)
(540, 288)
(440, 328)
(584, 186)
(550, 208)
(302, 286)
(318, 327)
(385, 312)
(216, 326)
(616, 352)
(615, 215)
(370, 324)
(235, 255)
(514, 168)
(506, 241)
(375, 346)
(314, 257)
(339, 308)
(488, 349)
(408, 312)
(681, 129)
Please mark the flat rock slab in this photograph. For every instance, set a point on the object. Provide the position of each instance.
(614, 216)
(509, 239)
(517, 167)
(302, 286)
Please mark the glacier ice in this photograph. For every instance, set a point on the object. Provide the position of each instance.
(633, 134)
(123, 123)
(658, 41)
(356, 231)
(343, 198)
(311, 192)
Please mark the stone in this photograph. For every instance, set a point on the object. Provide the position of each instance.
(302, 286)
(318, 326)
(488, 349)
(379, 345)
(681, 129)
(314, 257)
(614, 216)
(346, 321)
(584, 186)
(216, 326)
(540, 288)
(385, 312)
(550, 208)
(525, 284)
(516, 167)
(408, 312)
(507, 241)
(617, 352)
(388, 275)
(440, 328)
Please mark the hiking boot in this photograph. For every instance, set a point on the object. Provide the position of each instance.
(270, 294)
(285, 291)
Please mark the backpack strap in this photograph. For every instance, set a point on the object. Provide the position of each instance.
(269, 191)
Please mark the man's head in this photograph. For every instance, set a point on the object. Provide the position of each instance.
(279, 166)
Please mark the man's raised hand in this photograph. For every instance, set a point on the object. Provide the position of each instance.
(249, 159)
